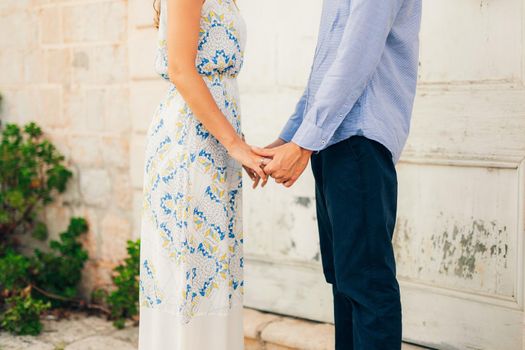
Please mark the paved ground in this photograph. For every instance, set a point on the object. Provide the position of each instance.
(263, 331)
(79, 332)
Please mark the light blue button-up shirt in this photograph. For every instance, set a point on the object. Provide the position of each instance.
(364, 75)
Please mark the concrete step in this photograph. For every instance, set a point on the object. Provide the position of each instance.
(264, 331)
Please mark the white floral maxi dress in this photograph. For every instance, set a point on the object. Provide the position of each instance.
(191, 274)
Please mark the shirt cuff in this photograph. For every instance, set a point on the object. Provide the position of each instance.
(289, 129)
(309, 136)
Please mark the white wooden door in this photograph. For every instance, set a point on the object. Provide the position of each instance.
(460, 234)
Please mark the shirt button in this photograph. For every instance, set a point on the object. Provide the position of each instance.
(340, 116)
(323, 142)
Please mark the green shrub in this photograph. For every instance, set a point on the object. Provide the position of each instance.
(23, 314)
(123, 301)
(46, 279)
(14, 271)
(59, 271)
(31, 170)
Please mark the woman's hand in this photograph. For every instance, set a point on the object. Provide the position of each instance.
(252, 174)
(251, 162)
(278, 142)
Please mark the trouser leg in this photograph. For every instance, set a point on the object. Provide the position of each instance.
(359, 188)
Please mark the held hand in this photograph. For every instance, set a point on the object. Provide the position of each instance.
(253, 175)
(288, 162)
(251, 162)
(278, 142)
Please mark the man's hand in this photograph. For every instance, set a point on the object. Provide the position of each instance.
(278, 142)
(288, 162)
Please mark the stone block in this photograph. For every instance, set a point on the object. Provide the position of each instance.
(299, 334)
(56, 217)
(13, 59)
(118, 119)
(145, 96)
(255, 321)
(271, 346)
(105, 64)
(7, 6)
(38, 104)
(95, 22)
(48, 105)
(73, 108)
(105, 272)
(22, 28)
(115, 232)
(22, 65)
(61, 142)
(34, 71)
(50, 19)
(252, 344)
(90, 240)
(142, 53)
(95, 187)
(137, 154)
(58, 63)
(115, 152)
(15, 108)
(85, 109)
(141, 13)
(90, 278)
(86, 150)
(138, 199)
(122, 193)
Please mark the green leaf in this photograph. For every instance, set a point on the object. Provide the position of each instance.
(123, 301)
(14, 269)
(22, 316)
(40, 231)
(59, 271)
(32, 172)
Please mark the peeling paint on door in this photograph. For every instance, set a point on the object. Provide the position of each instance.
(447, 234)
(467, 246)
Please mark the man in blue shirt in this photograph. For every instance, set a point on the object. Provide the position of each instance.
(353, 121)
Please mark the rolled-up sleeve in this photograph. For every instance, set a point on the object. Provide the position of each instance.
(359, 53)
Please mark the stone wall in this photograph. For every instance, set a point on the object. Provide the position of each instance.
(64, 64)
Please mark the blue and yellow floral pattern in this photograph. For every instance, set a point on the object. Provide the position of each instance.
(191, 252)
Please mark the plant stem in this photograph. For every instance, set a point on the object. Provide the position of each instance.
(80, 302)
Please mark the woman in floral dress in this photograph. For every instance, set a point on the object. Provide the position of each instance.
(191, 280)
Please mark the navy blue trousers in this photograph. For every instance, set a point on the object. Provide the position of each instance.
(356, 197)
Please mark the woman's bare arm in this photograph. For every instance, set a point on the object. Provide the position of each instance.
(182, 41)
